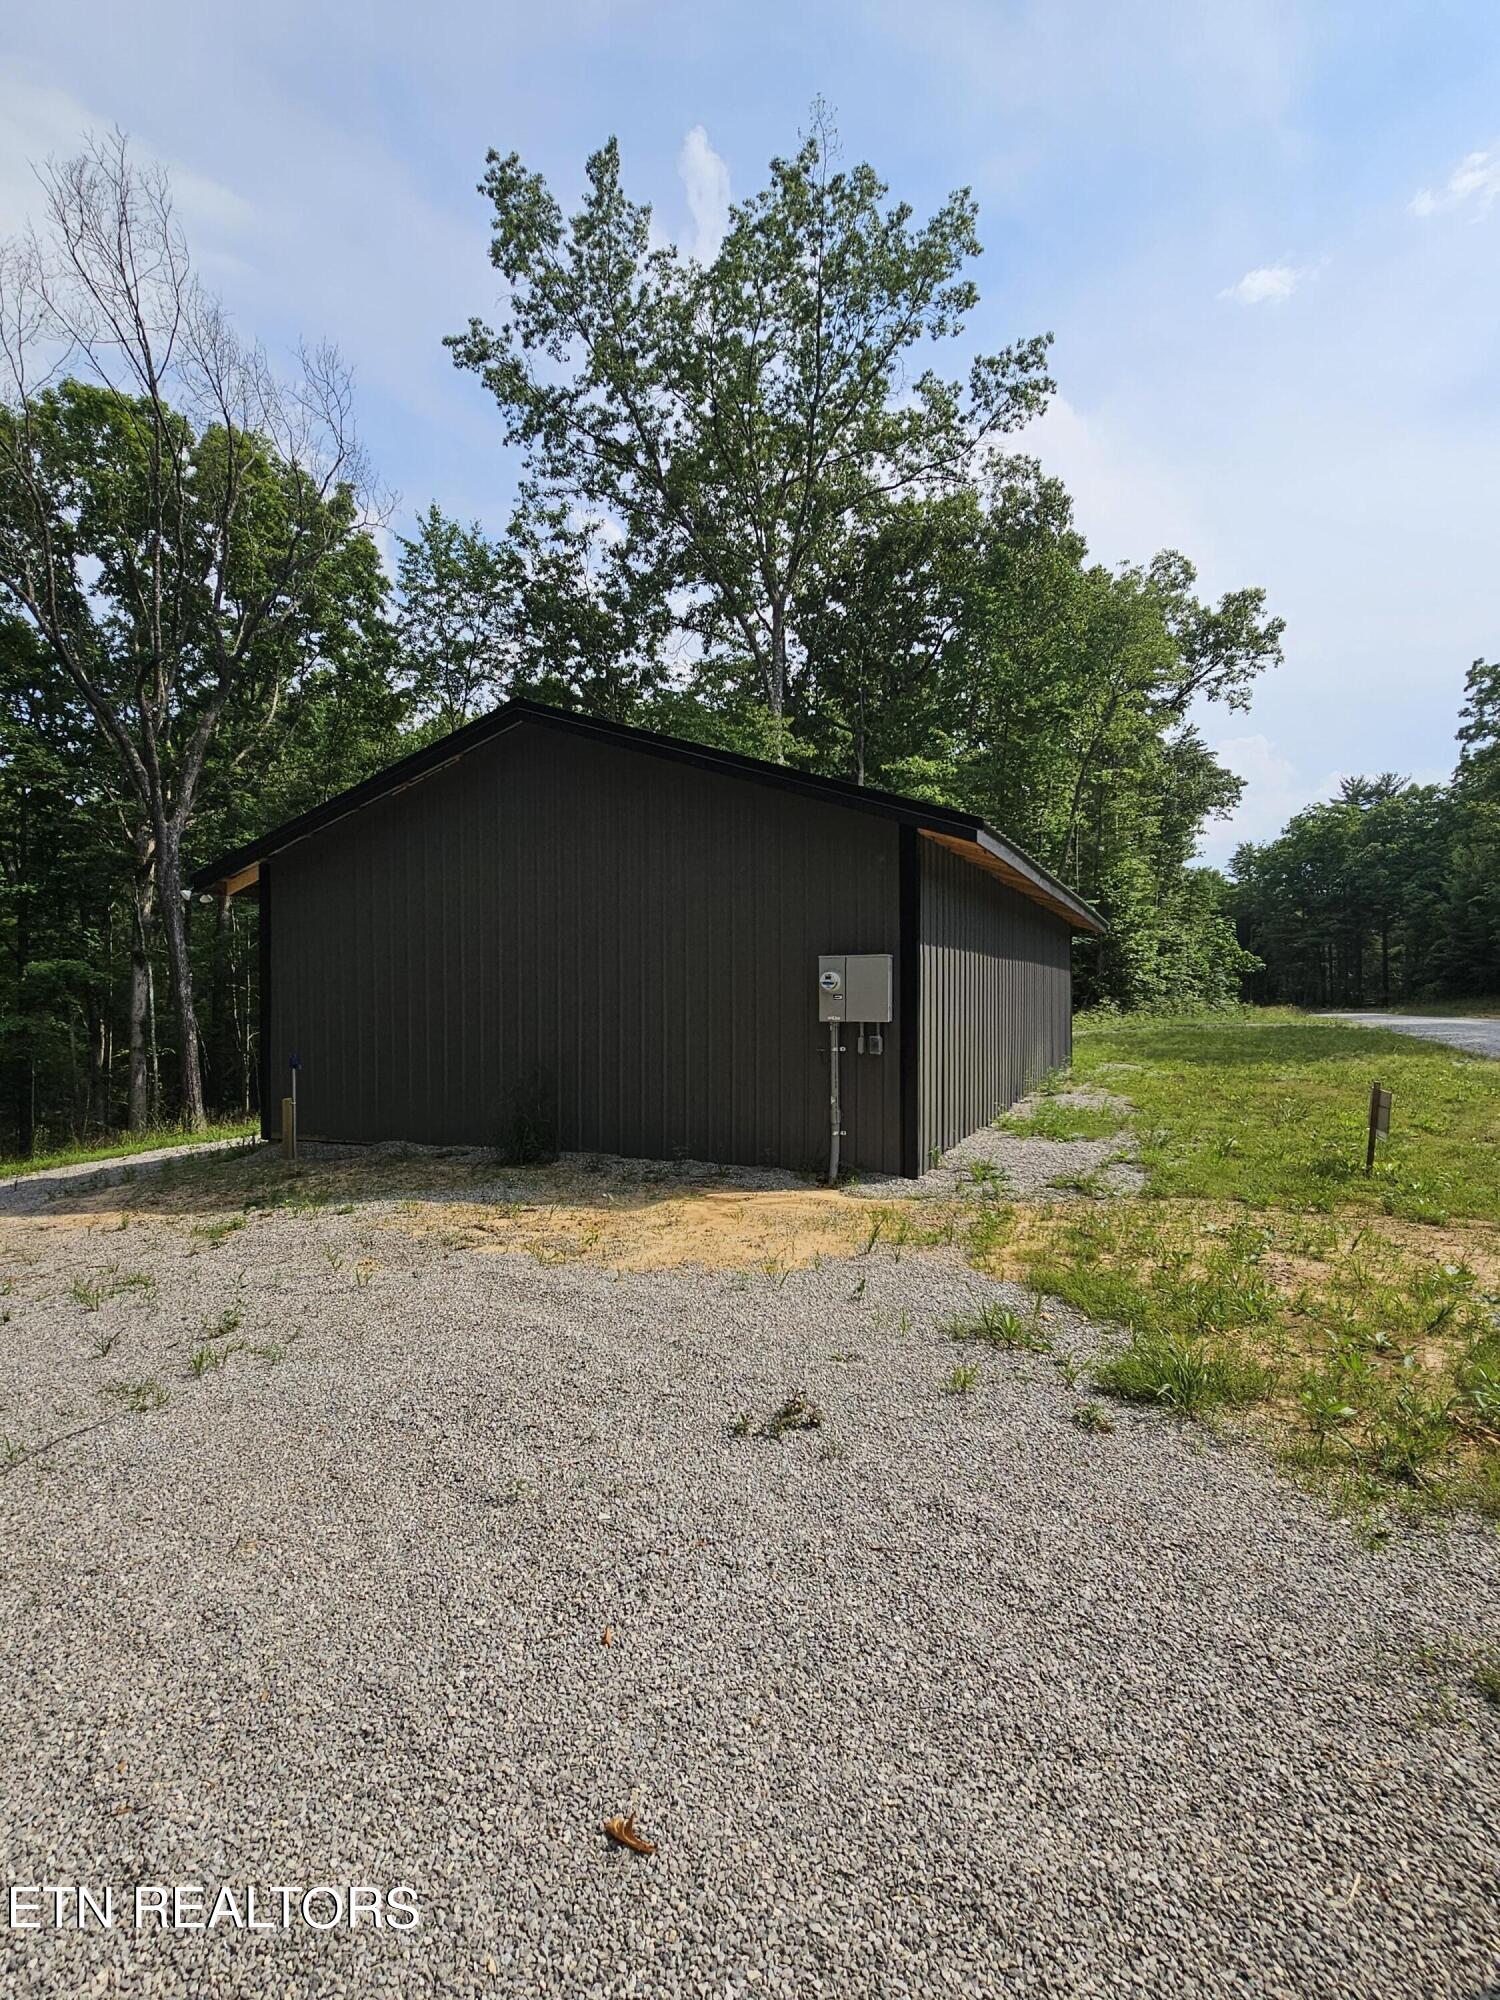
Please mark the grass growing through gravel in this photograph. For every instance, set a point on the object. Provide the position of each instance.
(997, 1326)
(137, 1397)
(1478, 1667)
(1052, 1120)
(91, 1293)
(1372, 1363)
(1184, 1374)
(207, 1358)
(216, 1232)
(1093, 1417)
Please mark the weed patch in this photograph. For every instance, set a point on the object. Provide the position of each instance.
(998, 1326)
(797, 1413)
(1051, 1118)
(137, 1397)
(1093, 1417)
(208, 1359)
(1187, 1375)
(91, 1293)
(526, 1130)
(216, 1232)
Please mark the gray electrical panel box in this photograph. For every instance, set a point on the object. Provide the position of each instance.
(854, 986)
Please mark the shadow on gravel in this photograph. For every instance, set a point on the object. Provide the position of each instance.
(55, 1191)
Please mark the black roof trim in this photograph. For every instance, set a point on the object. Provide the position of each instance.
(448, 749)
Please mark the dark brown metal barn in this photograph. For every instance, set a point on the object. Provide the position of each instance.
(639, 926)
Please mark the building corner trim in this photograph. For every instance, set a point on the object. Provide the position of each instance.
(263, 1053)
(909, 991)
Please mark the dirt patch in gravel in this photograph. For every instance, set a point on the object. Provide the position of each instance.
(733, 1229)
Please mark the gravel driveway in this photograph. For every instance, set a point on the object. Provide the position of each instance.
(1480, 1036)
(947, 1696)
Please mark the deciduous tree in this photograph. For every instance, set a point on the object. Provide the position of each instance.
(166, 503)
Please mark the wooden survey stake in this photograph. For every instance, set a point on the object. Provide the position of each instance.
(1380, 1122)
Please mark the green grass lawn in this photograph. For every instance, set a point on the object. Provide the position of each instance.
(1352, 1322)
(1270, 1108)
(127, 1145)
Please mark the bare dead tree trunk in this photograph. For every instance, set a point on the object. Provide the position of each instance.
(23, 1065)
(179, 965)
(140, 1011)
(96, 1110)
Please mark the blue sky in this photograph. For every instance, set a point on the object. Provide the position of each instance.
(1266, 237)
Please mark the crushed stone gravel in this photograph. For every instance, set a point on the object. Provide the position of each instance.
(1033, 1169)
(945, 1696)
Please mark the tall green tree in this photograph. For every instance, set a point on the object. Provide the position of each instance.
(456, 622)
(738, 419)
(1391, 891)
(969, 652)
(166, 511)
(1478, 774)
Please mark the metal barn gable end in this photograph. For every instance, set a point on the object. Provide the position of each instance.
(632, 925)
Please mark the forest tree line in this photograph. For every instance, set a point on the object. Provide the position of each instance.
(752, 511)
(1391, 892)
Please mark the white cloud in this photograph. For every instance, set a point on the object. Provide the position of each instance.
(705, 178)
(38, 124)
(34, 124)
(1275, 788)
(383, 536)
(1075, 64)
(1126, 504)
(1475, 179)
(1269, 284)
(206, 207)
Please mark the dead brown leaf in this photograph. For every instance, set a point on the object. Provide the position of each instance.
(623, 1833)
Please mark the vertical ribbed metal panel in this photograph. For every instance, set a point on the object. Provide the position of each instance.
(265, 1079)
(643, 930)
(996, 997)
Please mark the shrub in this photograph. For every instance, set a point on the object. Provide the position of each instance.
(526, 1135)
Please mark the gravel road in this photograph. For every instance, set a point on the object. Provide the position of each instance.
(947, 1696)
(1480, 1036)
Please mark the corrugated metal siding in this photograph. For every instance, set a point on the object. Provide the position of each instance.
(645, 932)
(996, 997)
